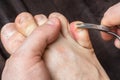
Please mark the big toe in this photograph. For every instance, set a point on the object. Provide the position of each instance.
(80, 35)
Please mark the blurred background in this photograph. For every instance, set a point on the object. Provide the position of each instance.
(90, 11)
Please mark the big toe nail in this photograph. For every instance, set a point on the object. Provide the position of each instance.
(80, 35)
(25, 23)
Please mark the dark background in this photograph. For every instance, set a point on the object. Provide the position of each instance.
(90, 11)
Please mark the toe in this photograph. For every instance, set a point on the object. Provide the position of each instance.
(11, 38)
(40, 38)
(64, 23)
(25, 23)
(80, 35)
(40, 19)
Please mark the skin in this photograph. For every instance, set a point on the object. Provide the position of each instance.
(111, 21)
(42, 51)
(25, 62)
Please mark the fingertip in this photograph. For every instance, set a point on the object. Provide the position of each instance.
(112, 16)
(40, 19)
(117, 43)
(105, 21)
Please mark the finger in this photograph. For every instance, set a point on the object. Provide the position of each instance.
(111, 18)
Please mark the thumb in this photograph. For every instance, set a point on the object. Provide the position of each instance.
(111, 18)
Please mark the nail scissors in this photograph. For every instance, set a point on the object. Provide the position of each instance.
(99, 28)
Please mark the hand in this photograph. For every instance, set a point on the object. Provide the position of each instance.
(112, 18)
(26, 62)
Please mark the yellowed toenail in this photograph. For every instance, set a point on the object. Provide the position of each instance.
(29, 29)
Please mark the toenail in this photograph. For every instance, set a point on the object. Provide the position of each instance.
(79, 29)
(52, 21)
(23, 19)
(41, 19)
(54, 14)
(7, 33)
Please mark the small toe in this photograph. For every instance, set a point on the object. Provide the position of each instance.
(25, 23)
(11, 38)
(40, 19)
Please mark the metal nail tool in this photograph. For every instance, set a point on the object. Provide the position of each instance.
(99, 28)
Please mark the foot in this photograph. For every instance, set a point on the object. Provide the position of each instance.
(70, 57)
(25, 62)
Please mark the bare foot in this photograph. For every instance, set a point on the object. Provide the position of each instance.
(70, 57)
(25, 62)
